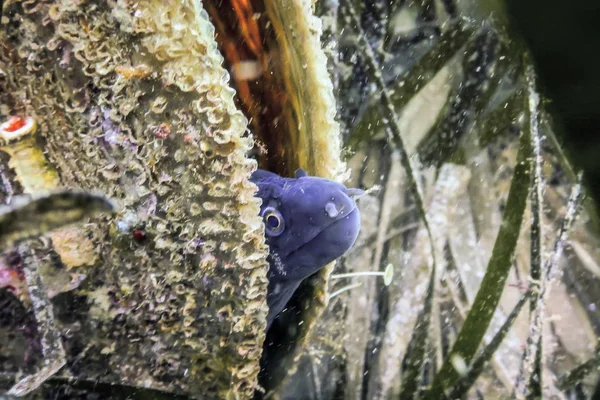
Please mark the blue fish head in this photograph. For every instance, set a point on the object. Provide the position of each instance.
(309, 222)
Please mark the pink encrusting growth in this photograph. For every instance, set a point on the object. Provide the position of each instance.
(12, 278)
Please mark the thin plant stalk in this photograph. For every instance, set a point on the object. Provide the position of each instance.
(575, 376)
(390, 119)
(492, 285)
(551, 268)
(52, 348)
(475, 369)
(407, 85)
(531, 365)
(397, 144)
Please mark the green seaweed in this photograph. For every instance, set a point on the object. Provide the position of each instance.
(489, 293)
(500, 119)
(533, 353)
(577, 374)
(476, 368)
(409, 84)
(483, 73)
(396, 142)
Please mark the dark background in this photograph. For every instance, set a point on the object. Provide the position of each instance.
(564, 39)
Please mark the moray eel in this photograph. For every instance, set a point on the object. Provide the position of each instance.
(309, 222)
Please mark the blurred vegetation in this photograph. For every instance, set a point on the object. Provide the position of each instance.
(458, 127)
(451, 86)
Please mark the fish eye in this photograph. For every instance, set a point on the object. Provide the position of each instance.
(274, 223)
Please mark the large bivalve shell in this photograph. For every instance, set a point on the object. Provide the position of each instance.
(131, 101)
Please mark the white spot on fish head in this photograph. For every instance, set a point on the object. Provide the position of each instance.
(331, 210)
(279, 266)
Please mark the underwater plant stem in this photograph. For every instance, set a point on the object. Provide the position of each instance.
(6, 186)
(536, 193)
(328, 11)
(389, 167)
(52, 349)
(50, 340)
(415, 359)
(407, 85)
(402, 223)
(575, 199)
(390, 119)
(466, 381)
(531, 363)
(484, 69)
(397, 144)
(534, 340)
(499, 120)
(551, 267)
(578, 373)
(492, 285)
(575, 376)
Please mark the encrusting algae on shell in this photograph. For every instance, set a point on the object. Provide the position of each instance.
(131, 101)
(180, 308)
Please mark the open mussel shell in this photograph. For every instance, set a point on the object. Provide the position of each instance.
(289, 100)
(132, 101)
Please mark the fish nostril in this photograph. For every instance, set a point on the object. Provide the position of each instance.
(331, 210)
(354, 192)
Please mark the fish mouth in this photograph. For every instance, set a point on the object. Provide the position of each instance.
(329, 244)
